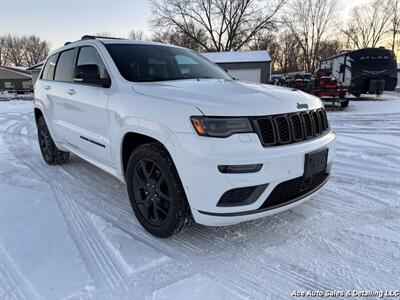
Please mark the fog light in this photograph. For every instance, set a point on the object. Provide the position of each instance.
(240, 168)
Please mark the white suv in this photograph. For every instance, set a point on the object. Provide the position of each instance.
(188, 140)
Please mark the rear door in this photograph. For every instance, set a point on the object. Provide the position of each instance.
(45, 90)
(85, 110)
(63, 125)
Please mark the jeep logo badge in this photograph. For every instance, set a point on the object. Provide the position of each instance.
(302, 105)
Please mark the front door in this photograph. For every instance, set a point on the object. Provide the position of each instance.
(86, 110)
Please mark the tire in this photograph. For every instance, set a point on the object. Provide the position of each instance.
(51, 154)
(344, 104)
(155, 191)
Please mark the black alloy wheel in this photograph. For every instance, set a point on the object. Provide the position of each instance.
(44, 140)
(156, 192)
(151, 192)
(51, 154)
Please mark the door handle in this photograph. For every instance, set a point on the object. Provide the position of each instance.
(71, 92)
(47, 87)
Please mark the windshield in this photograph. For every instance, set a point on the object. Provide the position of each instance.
(147, 63)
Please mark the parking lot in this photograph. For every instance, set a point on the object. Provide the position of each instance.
(68, 232)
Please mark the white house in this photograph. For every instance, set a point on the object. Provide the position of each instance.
(35, 70)
(252, 66)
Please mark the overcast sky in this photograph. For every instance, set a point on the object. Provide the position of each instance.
(59, 21)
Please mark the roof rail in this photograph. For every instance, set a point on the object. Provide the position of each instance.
(67, 43)
(93, 37)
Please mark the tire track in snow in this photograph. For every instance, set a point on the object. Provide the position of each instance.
(245, 281)
(99, 260)
(127, 221)
(380, 145)
(13, 285)
(192, 258)
(226, 248)
(61, 191)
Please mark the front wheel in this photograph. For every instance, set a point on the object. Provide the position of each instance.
(155, 191)
(51, 154)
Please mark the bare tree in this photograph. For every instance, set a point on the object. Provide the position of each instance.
(34, 49)
(137, 35)
(369, 23)
(22, 50)
(227, 24)
(395, 22)
(15, 50)
(179, 38)
(329, 48)
(3, 51)
(309, 22)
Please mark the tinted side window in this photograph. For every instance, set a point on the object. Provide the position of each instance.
(90, 56)
(64, 66)
(48, 71)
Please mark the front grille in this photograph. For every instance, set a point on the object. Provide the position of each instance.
(291, 128)
(284, 134)
(294, 188)
(296, 127)
(268, 132)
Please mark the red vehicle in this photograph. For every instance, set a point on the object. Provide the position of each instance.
(326, 85)
(322, 84)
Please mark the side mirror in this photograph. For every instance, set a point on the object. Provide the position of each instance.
(89, 74)
(342, 68)
(229, 73)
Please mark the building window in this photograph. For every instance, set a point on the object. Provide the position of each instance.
(8, 85)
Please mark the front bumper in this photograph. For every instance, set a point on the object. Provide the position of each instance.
(197, 159)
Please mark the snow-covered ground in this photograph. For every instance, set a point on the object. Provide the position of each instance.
(68, 232)
(7, 96)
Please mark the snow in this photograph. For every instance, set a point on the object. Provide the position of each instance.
(238, 56)
(68, 232)
(7, 96)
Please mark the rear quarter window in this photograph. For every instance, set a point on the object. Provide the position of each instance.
(64, 66)
(48, 71)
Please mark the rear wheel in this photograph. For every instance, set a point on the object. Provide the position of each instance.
(156, 192)
(51, 154)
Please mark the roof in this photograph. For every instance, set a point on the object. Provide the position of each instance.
(352, 52)
(106, 41)
(8, 72)
(238, 56)
(17, 69)
(126, 41)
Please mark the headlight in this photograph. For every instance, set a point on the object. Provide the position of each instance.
(221, 127)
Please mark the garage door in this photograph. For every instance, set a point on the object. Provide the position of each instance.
(253, 75)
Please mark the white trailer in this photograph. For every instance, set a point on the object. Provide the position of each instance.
(339, 66)
(364, 71)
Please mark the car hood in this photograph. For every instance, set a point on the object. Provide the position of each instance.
(215, 97)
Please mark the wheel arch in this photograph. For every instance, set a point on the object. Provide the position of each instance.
(37, 113)
(130, 141)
